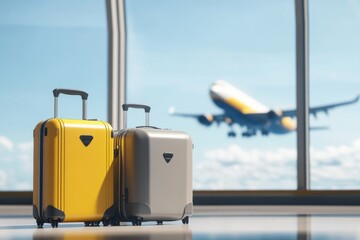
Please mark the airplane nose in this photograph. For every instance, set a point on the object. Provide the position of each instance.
(214, 92)
(218, 90)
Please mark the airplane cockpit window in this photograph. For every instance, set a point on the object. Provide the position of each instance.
(46, 45)
(223, 71)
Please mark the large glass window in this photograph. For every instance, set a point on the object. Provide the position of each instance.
(207, 58)
(334, 78)
(46, 45)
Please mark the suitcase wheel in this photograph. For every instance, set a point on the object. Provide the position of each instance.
(54, 223)
(185, 220)
(159, 222)
(114, 222)
(39, 223)
(137, 222)
(92, 224)
(106, 222)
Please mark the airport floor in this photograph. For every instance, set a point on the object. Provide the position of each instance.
(208, 222)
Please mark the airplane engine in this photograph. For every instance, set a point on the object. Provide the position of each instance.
(206, 119)
(274, 114)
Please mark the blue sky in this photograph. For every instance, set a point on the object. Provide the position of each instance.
(46, 45)
(176, 49)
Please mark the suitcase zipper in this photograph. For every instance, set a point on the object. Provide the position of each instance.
(43, 131)
(122, 178)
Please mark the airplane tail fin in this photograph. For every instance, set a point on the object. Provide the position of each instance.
(171, 110)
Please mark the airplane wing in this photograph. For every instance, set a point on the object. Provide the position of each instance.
(324, 108)
(319, 128)
(205, 119)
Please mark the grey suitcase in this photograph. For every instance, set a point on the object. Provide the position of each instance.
(155, 167)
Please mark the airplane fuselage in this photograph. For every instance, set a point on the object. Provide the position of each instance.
(243, 109)
(251, 115)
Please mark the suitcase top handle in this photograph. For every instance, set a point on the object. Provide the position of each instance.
(57, 92)
(83, 95)
(126, 107)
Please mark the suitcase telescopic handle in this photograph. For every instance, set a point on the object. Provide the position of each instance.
(83, 95)
(126, 107)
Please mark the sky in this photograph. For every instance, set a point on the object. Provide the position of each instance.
(46, 45)
(250, 44)
(175, 50)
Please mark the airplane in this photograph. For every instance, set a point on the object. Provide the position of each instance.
(240, 108)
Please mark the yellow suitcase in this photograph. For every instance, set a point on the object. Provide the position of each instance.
(73, 169)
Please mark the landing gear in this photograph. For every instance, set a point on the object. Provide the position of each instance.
(249, 133)
(231, 134)
(159, 222)
(246, 134)
(264, 132)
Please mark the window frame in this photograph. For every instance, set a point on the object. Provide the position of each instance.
(248, 197)
(302, 196)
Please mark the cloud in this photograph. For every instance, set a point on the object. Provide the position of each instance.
(6, 143)
(237, 168)
(336, 167)
(25, 153)
(23, 185)
(234, 167)
(229, 168)
(16, 168)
